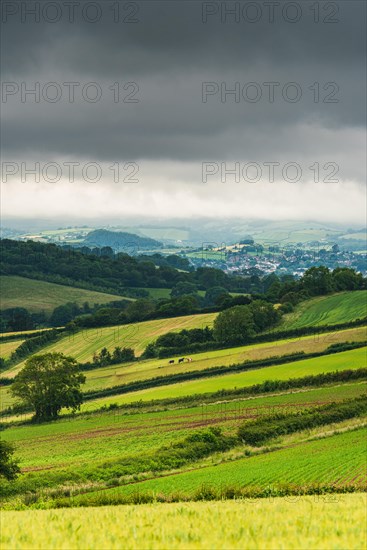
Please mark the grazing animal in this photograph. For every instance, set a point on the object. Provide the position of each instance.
(181, 360)
(189, 359)
(170, 362)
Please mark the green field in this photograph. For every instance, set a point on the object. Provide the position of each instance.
(338, 459)
(74, 443)
(307, 522)
(122, 374)
(157, 293)
(6, 348)
(282, 233)
(87, 451)
(117, 375)
(83, 344)
(61, 232)
(39, 296)
(160, 451)
(327, 310)
(353, 359)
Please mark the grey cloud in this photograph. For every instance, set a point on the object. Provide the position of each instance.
(170, 53)
(171, 35)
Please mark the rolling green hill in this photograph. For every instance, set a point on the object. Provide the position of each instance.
(330, 460)
(360, 236)
(67, 443)
(125, 373)
(91, 448)
(115, 375)
(327, 310)
(85, 343)
(119, 240)
(353, 359)
(149, 450)
(39, 296)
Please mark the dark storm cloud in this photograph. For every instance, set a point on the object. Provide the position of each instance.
(169, 52)
(172, 35)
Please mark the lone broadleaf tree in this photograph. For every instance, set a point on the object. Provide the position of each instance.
(48, 383)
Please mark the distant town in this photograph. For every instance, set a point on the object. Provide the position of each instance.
(248, 256)
(255, 259)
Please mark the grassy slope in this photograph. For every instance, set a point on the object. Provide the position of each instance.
(307, 522)
(115, 375)
(111, 435)
(6, 348)
(138, 335)
(334, 459)
(122, 374)
(84, 343)
(362, 236)
(327, 310)
(42, 296)
(353, 359)
(88, 440)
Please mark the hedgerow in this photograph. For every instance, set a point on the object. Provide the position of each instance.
(260, 431)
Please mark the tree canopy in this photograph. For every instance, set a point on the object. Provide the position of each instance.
(48, 383)
(9, 468)
(234, 325)
(240, 323)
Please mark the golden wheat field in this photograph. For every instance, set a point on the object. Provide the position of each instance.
(322, 522)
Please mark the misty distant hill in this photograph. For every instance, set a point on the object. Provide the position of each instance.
(119, 240)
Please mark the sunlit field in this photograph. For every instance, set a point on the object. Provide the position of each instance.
(332, 521)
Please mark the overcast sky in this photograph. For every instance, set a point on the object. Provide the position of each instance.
(133, 112)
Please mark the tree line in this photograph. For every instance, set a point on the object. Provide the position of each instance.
(104, 273)
(233, 326)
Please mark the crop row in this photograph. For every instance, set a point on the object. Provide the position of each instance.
(309, 464)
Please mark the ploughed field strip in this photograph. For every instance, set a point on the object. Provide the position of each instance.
(75, 441)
